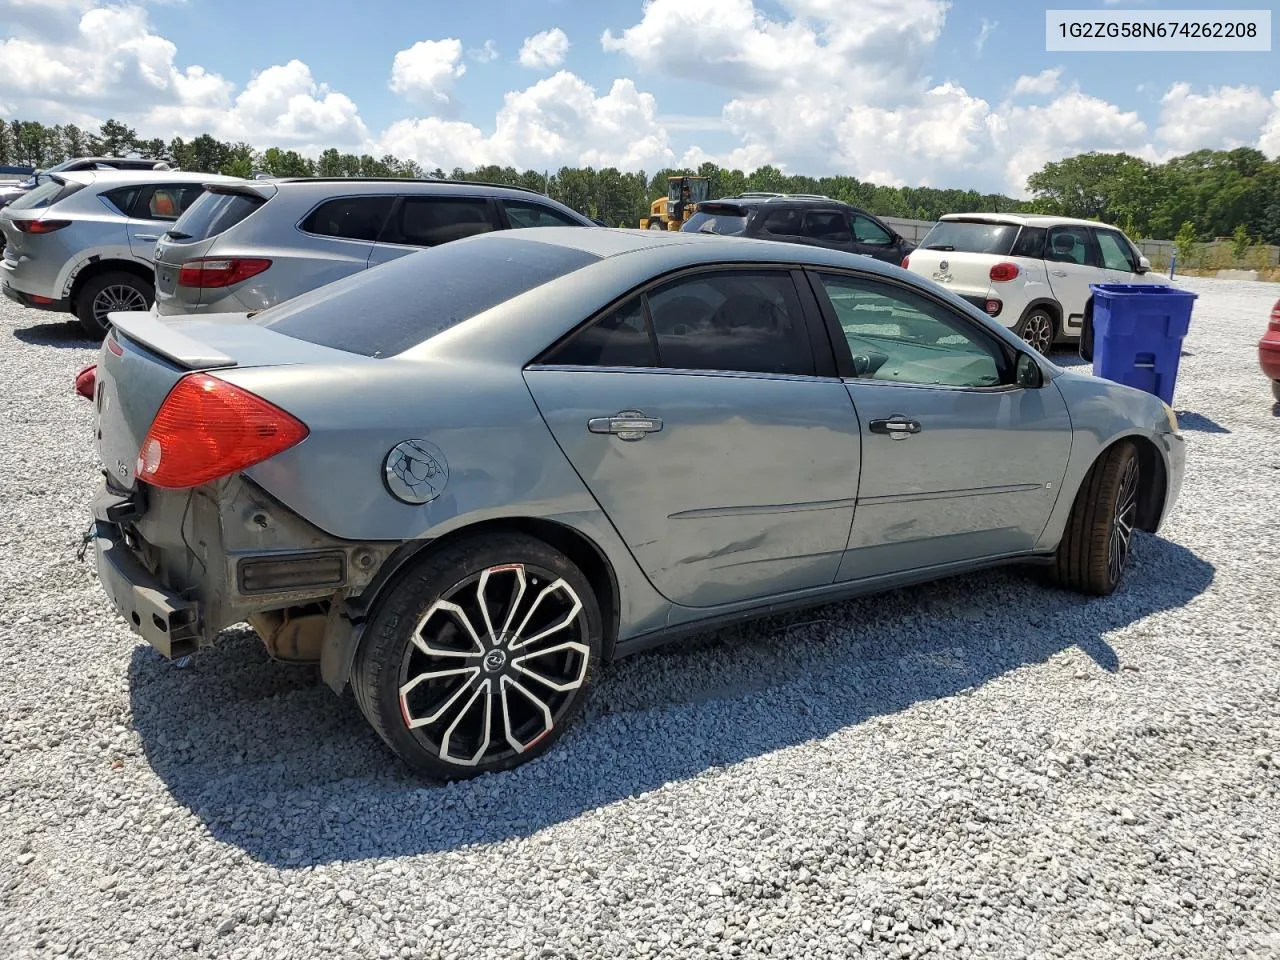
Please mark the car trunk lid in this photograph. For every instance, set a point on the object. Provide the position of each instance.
(195, 234)
(144, 357)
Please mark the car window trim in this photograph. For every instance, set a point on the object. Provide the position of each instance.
(844, 356)
(496, 213)
(395, 197)
(642, 291)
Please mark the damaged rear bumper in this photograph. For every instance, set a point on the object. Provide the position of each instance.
(161, 617)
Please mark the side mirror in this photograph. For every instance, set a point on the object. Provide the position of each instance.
(1144, 265)
(1028, 372)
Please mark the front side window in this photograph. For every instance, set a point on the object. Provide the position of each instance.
(167, 201)
(522, 213)
(899, 336)
(1069, 245)
(1115, 251)
(829, 226)
(733, 321)
(866, 230)
(431, 221)
(349, 218)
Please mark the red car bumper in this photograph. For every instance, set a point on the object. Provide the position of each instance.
(1269, 354)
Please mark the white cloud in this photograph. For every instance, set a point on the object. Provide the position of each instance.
(559, 120)
(988, 28)
(879, 52)
(1269, 140)
(427, 70)
(485, 54)
(1042, 83)
(1223, 118)
(545, 50)
(111, 63)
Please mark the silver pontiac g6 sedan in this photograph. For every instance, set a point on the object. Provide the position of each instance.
(464, 480)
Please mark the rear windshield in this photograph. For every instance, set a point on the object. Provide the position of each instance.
(212, 214)
(722, 222)
(46, 195)
(970, 236)
(395, 306)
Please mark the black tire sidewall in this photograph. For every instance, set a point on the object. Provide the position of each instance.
(375, 677)
(1053, 326)
(84, 302)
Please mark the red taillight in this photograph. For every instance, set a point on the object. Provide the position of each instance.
(1275, 317)
(208, 428)
(906, 262)
(220, 271)
(40, 226)
(36, 298)
(86, 380)
(1003, 272)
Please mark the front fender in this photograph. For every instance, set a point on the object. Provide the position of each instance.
(1102, 414)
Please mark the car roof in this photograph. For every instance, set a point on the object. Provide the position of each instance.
(1026, 219)
(121, 177)
(700, 247)
(380, 184)
(779, 199)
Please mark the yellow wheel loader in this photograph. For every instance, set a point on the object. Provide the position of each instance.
(684, 193)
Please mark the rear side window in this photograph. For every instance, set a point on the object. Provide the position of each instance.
(724, 223)
(431, 221)
(350, 218)
(386, 310)
(783, 222)
(46, 195)
(1030, 243)
(971, 236)
(618, 339)
(827, 225)
(734, 321)
(212, 214)
(522, 213)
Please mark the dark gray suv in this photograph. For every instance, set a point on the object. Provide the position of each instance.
(248, 245)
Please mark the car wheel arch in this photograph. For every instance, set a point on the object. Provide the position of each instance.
(341, 644)
(1053, 307)
(1153, 475)
(97, 267)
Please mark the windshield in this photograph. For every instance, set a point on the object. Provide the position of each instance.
(971, 236)
(212, 214)
(724, 224)
(398, 305)
(47, 194)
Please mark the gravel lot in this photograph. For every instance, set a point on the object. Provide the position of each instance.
(978, 768)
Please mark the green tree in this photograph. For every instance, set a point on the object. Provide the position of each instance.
(113, 139)
(1185, 241)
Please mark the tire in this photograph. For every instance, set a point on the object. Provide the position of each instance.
(108, 292)
(1275, 390)
(1096, 545)
(438, 725)
(1038, 329)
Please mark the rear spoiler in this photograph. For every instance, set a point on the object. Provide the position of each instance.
(250, 188)
(166, 339)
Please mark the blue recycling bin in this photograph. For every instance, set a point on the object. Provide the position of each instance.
(1138, 330)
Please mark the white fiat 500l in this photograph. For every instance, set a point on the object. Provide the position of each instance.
(1032, 273)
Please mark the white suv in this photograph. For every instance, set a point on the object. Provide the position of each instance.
(1032, 273)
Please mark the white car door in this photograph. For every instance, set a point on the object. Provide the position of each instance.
(1073, 262)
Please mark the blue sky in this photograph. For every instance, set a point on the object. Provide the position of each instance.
(902, 91)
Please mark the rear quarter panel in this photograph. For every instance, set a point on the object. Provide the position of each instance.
(501, 460)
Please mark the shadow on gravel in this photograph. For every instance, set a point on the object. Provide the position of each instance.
(273, 763)
(55, 334)
(1188, 420)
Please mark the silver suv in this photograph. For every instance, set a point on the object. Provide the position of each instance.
(245, 246)
(83, 241)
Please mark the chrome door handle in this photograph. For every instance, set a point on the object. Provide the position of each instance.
(897, 426)
(626, 425)
(146, 236)
(1059, 273)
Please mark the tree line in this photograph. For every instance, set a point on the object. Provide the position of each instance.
(1202, 195)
